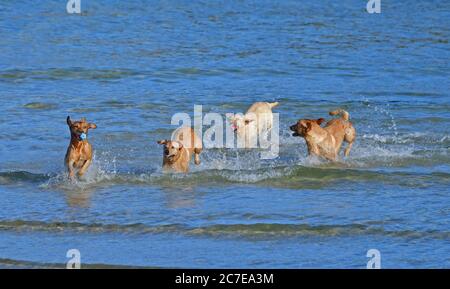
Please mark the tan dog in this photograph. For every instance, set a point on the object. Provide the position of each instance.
(178, 151)
(257, 120)
(79, 152)
(326, 141)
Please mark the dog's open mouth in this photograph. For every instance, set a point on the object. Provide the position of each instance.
(170, 156)
(294, 129)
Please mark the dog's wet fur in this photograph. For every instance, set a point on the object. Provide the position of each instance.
(79, 153)
(177, 153)
(257, 120)
(326, 141)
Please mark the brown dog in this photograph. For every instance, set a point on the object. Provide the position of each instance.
(179, 150)
(326, 141)
(79, 152)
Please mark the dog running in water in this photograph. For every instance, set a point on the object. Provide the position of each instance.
(326, 141)
(79, 153)
(178, 152)
(256, 121)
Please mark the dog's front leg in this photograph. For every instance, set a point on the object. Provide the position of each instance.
(84, 168)
(71, 170)
(347, 149)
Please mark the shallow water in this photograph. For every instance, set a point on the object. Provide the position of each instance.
(129, 66)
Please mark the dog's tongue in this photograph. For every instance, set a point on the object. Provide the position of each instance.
(83, 136)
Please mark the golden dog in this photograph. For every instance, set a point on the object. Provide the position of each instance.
(257, 120)
(79, 153)
(178, 151)
(326, 141)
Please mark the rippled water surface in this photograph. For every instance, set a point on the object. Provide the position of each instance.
(129, 66)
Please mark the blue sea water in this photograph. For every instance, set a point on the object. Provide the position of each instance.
(129, 66)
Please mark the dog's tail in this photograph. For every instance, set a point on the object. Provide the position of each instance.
(345, 115)
(273, 104)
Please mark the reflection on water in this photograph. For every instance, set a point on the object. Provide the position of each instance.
(177, 197)
(81, 198)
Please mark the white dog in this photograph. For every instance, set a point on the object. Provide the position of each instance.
(256, 121)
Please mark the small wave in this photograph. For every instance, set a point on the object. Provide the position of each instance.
(410, 138)
(6, 263)
(66, 73)
(112, 74)
(257, 230)
(297, 176)
(22, 176)
(275, 230)
(286, 230)
(117, 104)
(20, 225)
(40, 105)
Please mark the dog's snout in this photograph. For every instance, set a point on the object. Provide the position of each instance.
(293, 127)
(166, 151)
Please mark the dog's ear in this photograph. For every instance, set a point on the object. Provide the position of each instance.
(162, 142)
(69, 122)
(92, 126)
(320, 121)
(306, 123)
(181, 146)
